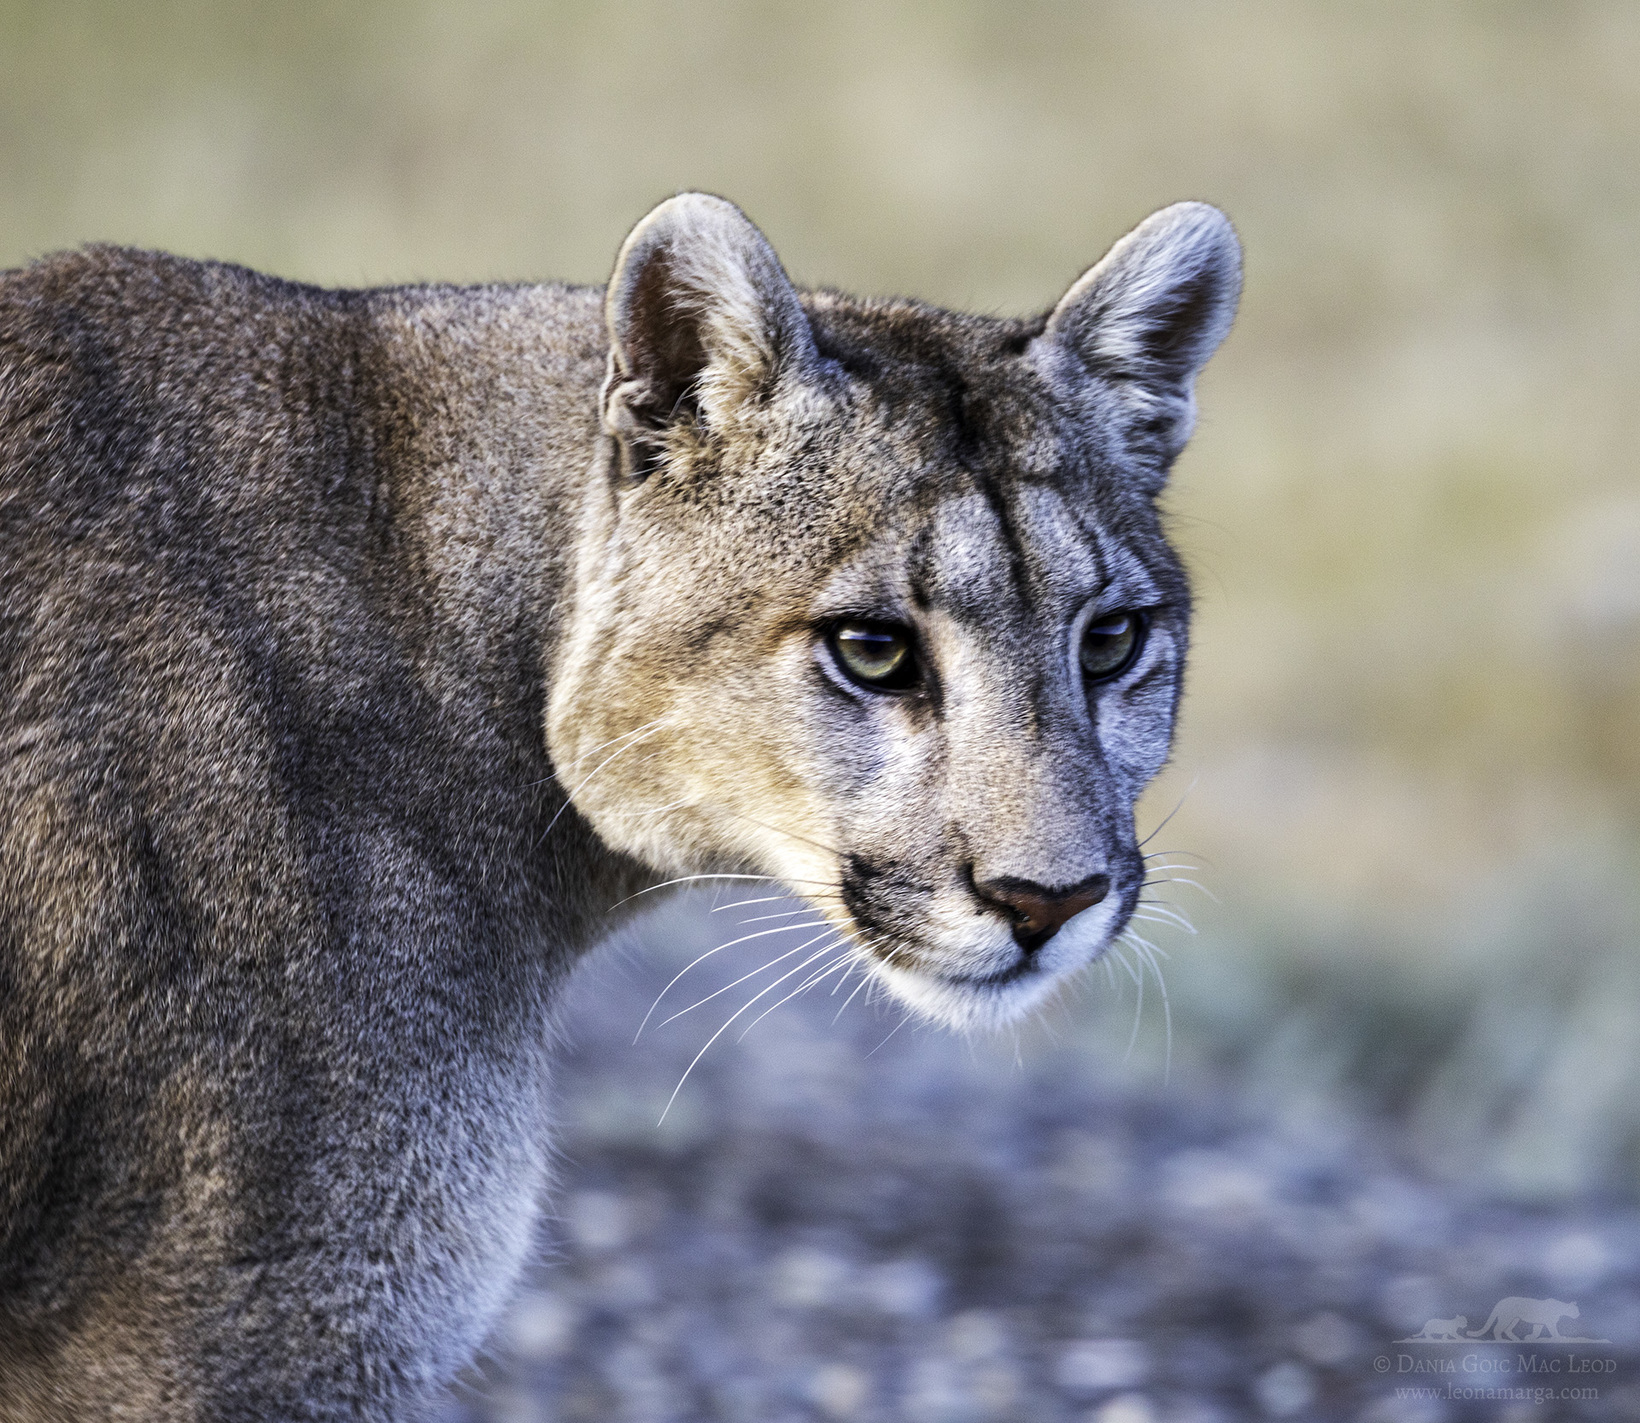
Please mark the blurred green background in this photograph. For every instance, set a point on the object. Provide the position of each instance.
(1410, 757)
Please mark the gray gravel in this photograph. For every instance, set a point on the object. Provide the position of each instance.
(830, 1226)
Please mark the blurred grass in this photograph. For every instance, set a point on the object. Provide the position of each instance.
(1413, 730)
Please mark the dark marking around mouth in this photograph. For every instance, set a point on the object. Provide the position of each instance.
(875, 893)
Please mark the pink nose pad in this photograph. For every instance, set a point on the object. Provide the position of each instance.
(1037, 912)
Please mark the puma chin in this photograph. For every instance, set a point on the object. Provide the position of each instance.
(925, 681)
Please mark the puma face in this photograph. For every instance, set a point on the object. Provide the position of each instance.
(873, 599)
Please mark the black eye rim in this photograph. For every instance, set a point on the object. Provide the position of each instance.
(905, 679)
(1141, 635)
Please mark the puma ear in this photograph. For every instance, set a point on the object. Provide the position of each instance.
(1148, 316)
(702, 318)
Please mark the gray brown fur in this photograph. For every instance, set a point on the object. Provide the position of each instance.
(315, 606)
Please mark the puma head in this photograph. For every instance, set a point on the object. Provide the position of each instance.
(873, 598)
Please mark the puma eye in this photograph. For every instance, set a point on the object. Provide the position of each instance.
(1110, 644)
(876, 655)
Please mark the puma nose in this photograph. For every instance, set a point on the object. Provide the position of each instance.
(1038, 912)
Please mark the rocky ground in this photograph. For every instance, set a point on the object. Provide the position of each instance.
(830, 1226)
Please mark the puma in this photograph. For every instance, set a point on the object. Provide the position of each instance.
(360, 649)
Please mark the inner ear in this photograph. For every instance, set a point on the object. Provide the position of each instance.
(663, 342)
(661, 358)
(703, 322)
(1147, 317)
(1160, 301)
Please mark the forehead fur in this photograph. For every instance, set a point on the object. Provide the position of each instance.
(950, 461)
(947, 412)
(954, 401)
(955, 387)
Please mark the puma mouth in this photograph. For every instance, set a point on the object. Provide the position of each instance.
(1023, 967)
(923, 963)
(966, 1002)
(926, 964)
(935, 981)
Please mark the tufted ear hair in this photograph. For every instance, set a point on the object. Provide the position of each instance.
(702, 318)
(1148, 316)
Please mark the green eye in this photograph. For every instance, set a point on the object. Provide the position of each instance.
(1110, 644)
(875, 655)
